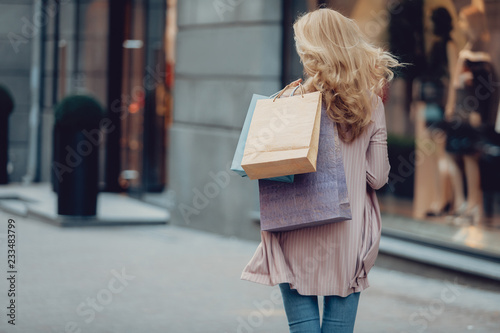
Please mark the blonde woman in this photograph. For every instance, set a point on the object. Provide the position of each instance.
(333, 260)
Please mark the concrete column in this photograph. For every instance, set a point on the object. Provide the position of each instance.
(226, 51)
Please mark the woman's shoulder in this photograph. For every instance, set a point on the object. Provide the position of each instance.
(377, 110)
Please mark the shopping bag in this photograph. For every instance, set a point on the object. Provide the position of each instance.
(283, 136)
(238, 155)
(314, 198)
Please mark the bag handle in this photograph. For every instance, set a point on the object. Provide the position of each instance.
(294, 90)
(283, 90)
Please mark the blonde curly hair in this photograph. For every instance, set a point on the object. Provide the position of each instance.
(344, 66)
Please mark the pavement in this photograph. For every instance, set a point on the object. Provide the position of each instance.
(164, 278)
(39, 201)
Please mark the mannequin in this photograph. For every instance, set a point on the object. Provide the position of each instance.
(467, 113)
(432, 197)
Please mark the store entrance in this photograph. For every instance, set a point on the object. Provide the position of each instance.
(144, 101)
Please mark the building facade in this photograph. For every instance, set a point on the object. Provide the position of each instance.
(176, 78)
(226, 51)
(17, 41)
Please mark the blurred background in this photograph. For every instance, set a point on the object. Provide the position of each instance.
(175, 77)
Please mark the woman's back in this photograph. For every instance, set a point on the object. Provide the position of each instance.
(333, 259)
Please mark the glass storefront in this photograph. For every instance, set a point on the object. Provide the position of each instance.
(441, 112)
(115, 51)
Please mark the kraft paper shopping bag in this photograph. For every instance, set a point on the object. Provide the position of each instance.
(238, 155)
(283, 136)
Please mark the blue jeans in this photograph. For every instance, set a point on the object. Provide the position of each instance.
(339, 313)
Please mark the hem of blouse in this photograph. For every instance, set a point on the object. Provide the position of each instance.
(257, 278)
(362, 285)
(264, 279)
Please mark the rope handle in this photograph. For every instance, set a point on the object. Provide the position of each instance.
(294, 90)
(283, 90)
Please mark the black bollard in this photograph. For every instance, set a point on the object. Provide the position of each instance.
(75, 166)
(6, 107)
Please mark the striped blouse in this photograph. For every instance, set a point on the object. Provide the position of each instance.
(333, 259)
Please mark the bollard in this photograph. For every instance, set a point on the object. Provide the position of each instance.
(75, 166)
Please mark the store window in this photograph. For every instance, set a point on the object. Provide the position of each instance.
(116, 51)
(441, 113)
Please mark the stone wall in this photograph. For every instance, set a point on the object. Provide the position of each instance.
(226, 51)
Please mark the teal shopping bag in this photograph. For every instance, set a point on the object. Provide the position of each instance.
(238, 155)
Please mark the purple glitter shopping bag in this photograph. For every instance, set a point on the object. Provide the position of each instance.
(313, 198)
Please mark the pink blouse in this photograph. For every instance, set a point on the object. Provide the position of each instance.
(333, 259)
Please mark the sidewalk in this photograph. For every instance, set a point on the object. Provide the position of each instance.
(39, 201)
(162, 278)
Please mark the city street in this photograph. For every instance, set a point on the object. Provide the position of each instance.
(172, 279)
(135, 158)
